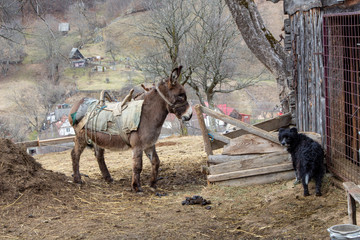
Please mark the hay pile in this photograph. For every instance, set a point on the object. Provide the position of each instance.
(20, 172)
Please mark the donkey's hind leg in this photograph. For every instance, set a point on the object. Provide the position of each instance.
(137, 168)
(99, 153)
(155, 163)
(79, 147)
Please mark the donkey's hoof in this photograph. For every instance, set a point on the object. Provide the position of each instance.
(306, 194)
(318, 194)
(137, 189)
(109, 179)
(78, 181)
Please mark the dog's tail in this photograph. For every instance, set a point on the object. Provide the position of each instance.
(307, 179)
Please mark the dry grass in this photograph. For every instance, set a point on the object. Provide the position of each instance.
(97, 210)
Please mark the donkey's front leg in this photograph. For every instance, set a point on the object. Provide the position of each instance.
(155, 163)
(137, 168)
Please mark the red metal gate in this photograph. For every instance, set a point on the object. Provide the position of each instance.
(342, 80)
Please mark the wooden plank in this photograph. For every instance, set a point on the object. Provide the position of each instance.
(56, 141)
(268, 125)
(353, 189)
(219, 137)
(219, 159)
(251, 162)
(46, 142)
(250, 172)
(204, 130)
(353, 194)
(28, 144)
(262, 179)
(249, 144)
(245, 126)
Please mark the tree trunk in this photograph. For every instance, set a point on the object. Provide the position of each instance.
(262, 44)
(212, 121)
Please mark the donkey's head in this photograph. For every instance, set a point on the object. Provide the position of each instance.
(173, 93)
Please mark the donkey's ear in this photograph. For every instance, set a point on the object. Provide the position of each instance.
(175, 75)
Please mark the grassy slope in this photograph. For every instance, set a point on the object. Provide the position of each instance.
(123, 32)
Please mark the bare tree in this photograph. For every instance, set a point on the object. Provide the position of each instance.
(263, 45)
(210, 53)
(79, 21)
(48, 41)
(10, 12)
(34, 105)
(11, 128)
(170, 21)
(115, 7)
(112, 49)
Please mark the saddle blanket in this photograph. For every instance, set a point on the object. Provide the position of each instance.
(113, 118)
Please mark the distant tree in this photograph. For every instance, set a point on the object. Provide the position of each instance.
(115, 7)
(48, 40)
(10, 26)
(169, 23)
(12, 128)
(10, 52)
(34, 105)
(210, 53)
(112, 49)
(79, 21)
(200, 35)
(263, 45)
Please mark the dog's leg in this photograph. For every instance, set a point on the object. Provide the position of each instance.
(296, 169)
(297, 180)
(305, 181)
(318, 181)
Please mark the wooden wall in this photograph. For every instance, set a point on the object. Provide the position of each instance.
(306, 36)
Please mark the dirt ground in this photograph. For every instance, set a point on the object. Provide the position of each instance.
(41, 202)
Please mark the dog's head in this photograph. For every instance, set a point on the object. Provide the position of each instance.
(288, 136)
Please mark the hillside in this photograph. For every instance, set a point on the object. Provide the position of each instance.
(122, 34)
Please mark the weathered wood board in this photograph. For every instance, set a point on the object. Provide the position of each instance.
(260, 179)
(268, 125)
(250, 172)
(250, 162)
(218, 159)
(249, 144)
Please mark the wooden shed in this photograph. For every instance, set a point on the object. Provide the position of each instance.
(323, 40)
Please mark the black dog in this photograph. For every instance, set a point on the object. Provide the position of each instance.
(307, 157)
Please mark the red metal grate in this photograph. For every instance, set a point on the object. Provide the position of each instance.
(342, 81)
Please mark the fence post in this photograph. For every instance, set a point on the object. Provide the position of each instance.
(204, 131)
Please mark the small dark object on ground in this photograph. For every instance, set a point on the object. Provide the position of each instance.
(160, 194)
(208, 207)
(195, 200)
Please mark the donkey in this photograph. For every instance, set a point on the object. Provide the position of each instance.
(168, 96)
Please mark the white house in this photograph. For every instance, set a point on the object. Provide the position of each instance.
(65, 129)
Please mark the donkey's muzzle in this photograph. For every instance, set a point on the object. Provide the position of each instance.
(186, 118)
(187, 115)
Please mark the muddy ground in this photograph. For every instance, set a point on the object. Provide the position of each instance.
(41, 202)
